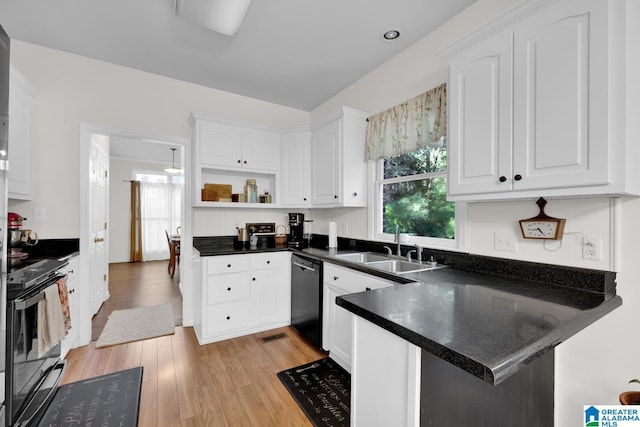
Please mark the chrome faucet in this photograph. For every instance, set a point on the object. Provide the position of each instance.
(388, 250)
(419, 252)
(409, 254)
(398, 251)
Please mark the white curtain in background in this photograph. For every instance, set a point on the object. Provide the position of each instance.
(160, 204)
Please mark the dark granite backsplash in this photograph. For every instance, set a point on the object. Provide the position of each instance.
(599, 281)
(53, 248)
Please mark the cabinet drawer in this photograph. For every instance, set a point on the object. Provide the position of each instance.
(227, 287)
(227, 264)
(351, 281)
(227, 317)
(269, 260)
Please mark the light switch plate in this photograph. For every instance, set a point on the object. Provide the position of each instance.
(39, 214)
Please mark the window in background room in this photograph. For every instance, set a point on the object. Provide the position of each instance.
(160, 197)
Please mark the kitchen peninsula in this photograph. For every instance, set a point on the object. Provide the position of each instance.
(482, 329)
(500, 330)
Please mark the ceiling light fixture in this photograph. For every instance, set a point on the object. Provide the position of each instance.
(173, 168)
(390, 35)
(222, 16)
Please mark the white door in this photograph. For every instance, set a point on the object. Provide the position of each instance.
(99, 209)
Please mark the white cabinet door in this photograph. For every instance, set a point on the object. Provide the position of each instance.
(336, 322)
(21, 94)
(340, 329)
(338, 166)
(220, 145)
(324, 167)
(561, 97)
(260, 151)
(296, 171)
(72, 273)
(269, 303)
(480, 128)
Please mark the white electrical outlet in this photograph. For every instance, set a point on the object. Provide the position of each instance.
(592, 248)
(504, 241)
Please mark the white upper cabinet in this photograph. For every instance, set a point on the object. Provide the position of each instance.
(338, 168)
(296, 171)
(21, 96)
(532, 102)
(237, 146)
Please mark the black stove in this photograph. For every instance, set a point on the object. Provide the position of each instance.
(28, 274)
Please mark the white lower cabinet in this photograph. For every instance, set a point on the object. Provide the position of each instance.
(385, 380)
(336, 321)
(72, 272)
(243, 294)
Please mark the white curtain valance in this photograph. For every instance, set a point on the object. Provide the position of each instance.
(418, 122)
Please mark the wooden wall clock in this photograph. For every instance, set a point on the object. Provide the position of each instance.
(542, 226)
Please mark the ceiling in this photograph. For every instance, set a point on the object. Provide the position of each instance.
(296, 53)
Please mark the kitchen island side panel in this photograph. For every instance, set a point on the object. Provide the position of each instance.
(449, 396)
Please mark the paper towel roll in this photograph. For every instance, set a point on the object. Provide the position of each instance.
(333, 234)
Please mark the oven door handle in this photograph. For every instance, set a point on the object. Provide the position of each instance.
(21, 304)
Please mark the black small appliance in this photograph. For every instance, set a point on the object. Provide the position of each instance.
(296, 225)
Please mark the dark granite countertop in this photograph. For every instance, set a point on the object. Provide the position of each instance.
(488, 325)
(478, 314)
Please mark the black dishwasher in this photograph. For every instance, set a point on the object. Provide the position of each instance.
(306, 298)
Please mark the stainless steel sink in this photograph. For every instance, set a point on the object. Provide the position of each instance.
(362, 257)
(397, 266)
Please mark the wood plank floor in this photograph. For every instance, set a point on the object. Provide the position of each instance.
(229, 383)
(139, 284)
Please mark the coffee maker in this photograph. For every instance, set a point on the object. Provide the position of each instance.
(296, 225)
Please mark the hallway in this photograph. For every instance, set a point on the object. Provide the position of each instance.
(138, 284)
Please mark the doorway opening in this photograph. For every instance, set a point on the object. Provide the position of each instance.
(127, 154)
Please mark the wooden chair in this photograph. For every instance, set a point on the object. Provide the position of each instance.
(174, 254)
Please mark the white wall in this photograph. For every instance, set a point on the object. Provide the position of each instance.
(594, 366)
(73, 90)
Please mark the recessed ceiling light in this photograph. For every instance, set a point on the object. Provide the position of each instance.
(391, 35)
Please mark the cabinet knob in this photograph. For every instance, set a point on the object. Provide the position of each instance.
(335, 277)
(228, 265)
(70, 272)
(305, 199)
(253, 278)
(229, 288)
(268, 262)
(355, 194)
(228, 317)
(335, 197)
(502, 178)
(367, 288)
(71, 291)
(517, 177)
(239, 161)
(245, 162)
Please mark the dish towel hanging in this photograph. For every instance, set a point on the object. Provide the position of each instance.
(64, 302)
(51, 325)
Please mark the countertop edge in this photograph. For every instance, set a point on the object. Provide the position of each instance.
(511, 363)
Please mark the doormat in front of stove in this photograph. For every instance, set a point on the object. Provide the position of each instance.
(107, 400)
(322, 389)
